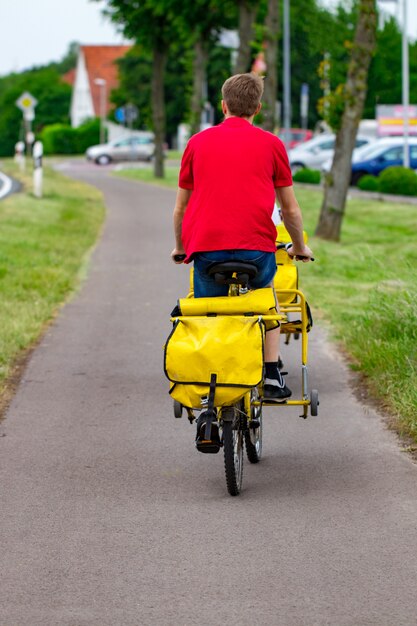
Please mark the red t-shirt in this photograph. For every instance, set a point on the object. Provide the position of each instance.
(233, 170)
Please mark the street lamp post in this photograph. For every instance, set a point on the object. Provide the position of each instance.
(405, 82)
(102, 83)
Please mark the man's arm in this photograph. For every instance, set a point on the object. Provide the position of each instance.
(293, 221)
(183, 197)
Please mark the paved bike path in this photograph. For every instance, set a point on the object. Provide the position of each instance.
(108, 516)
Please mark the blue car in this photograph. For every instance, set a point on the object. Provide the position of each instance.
(380, 155)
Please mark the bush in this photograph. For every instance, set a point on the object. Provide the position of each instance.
(88, 134)
(369, 183)
(307, 176)
(63, 139)
(398, 180)
(59, 139)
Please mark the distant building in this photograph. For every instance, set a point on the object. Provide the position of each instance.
(95, 75)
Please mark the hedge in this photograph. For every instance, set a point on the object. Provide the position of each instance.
(398, 180)
(63, 139)
(368, 183)
(306, 175)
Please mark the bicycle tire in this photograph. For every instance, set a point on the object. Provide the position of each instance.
(253, 441)
(233, 457)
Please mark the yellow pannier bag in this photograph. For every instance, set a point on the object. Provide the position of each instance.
(287, 271)
(227, 350)
(257, 302)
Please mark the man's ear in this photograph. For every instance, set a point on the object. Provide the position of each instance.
(224, 108)
(258, 108)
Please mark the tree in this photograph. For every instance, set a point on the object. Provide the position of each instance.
(152, 24)
(199, 25)
(354, 93)
(135, 72)
(52, 94)
(247, 15)
(271, 60)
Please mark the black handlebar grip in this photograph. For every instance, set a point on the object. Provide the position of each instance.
(179, 257)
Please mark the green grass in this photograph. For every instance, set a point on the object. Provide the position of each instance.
(145, 174)
(365, 287)
(44, 246)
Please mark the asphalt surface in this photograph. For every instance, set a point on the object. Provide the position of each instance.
(108, 514)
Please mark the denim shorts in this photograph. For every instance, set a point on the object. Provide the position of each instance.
(205, 285)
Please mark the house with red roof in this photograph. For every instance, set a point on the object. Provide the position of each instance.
(95, 75)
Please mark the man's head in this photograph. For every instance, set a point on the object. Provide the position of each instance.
(242, 95)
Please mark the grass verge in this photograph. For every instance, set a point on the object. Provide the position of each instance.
(366, 287)
(44, 246)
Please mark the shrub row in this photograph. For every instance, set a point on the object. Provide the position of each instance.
(306, 175)
(63, 139)
(396, 180)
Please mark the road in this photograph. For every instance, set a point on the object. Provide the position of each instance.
(110, 517)
(6, 185)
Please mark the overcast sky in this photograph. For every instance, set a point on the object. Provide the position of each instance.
(34, 32)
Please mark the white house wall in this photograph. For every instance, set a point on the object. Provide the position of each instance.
(82, 102)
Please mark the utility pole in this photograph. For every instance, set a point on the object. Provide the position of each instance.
(406, 86)
(102, 83)
(405, 82)
(287, 73)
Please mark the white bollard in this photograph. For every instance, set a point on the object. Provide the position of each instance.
(37, 168)
(19, 155)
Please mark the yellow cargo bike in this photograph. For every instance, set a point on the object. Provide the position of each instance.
(214, 358)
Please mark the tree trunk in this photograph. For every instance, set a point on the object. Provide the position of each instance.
(158, 109)
(247, 14)
(271, 58)
(337, 182)
(197, 100)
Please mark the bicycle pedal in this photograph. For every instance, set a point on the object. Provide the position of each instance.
(208, 447)
(254, 424)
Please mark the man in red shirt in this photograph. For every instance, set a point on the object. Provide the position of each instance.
(230, 176)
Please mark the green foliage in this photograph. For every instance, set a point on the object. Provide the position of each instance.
(43, 246)
(53, 97)
(369, 183)
(63, 139)
(398, 180)
(306, 175)
(88, 134)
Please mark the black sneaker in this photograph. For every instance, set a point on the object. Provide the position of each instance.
(276, 391)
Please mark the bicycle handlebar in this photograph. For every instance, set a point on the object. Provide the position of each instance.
(286, 246)
(179, 257)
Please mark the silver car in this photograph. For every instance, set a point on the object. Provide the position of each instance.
(140, 146)
(314, 153)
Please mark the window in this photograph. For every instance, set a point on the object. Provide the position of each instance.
(122, 144)
(361, 142)
(142, 140)
(413, 153)
(326, 145)
(393, 154)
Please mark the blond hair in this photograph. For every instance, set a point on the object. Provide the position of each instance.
(242, 93)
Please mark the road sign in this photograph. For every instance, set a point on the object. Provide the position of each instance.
(26, 102)
(119, 115)
(131, 113)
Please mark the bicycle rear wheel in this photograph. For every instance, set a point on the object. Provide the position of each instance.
(233, 456)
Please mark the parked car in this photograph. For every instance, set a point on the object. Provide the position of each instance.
(296, 136)
(314, 153)
(384, 154)
(140, 146)
(377, 156)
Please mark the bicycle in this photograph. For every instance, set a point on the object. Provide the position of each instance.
(238, 425)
